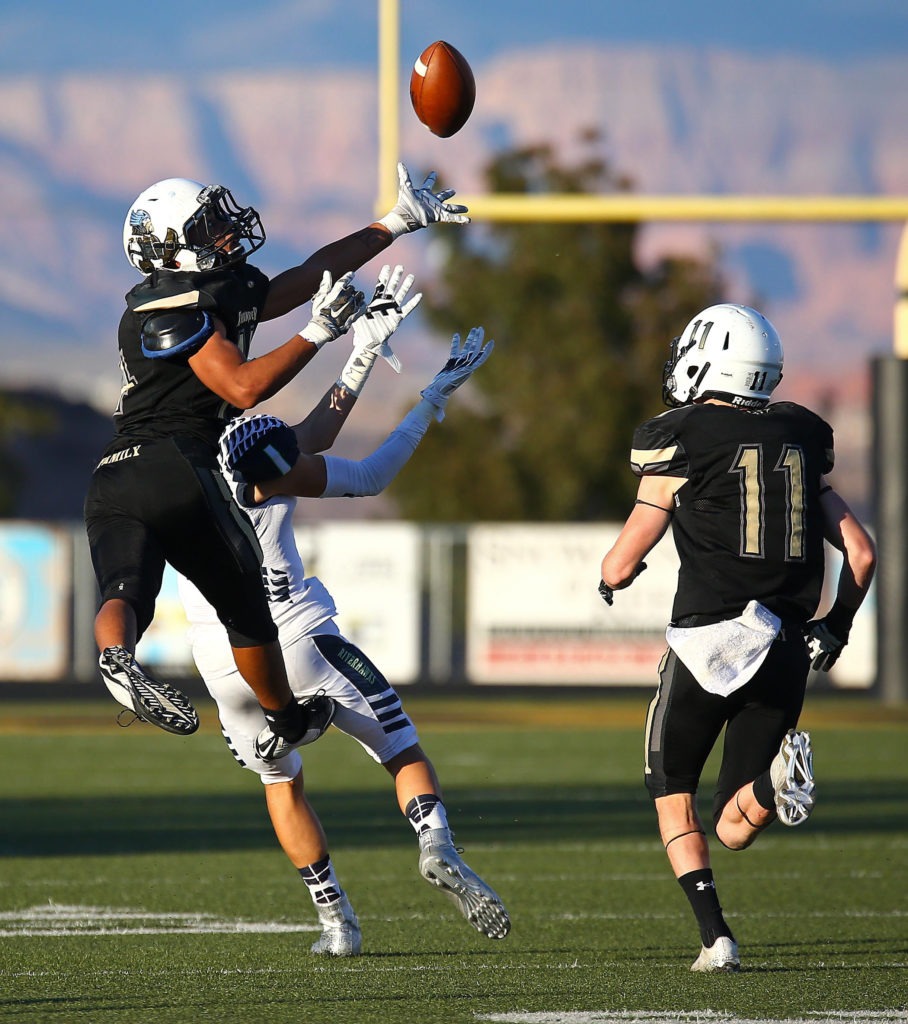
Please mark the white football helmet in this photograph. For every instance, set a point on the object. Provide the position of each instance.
(729, 352)
(179, 224)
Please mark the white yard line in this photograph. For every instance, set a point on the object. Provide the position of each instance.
(59, 919)
(692, 1017)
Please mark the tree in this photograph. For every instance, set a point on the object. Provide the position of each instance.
(16, 419)
(581, 333)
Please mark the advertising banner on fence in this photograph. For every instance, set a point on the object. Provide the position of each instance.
(373, 571)
(165, 644)
(35, 587)
(534, 614)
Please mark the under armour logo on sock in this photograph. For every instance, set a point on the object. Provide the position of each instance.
(420, 807)
(701, 886)
(321, 882)
(426, 812)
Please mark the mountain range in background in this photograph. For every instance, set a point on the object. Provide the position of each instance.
(301, 146)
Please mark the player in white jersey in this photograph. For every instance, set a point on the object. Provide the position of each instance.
(319, 659)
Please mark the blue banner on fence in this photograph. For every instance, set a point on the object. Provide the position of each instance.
(35, 588)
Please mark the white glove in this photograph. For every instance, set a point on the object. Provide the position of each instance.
(418, 207)
(379, 320)
(459, 368)
(334, 308)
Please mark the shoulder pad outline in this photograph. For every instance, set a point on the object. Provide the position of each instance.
(182, 332)
(657, 449)
(169, 291)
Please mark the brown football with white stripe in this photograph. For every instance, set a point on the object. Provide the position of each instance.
(442, 89)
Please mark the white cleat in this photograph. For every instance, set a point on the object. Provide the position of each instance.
(722, 955)
(791, 773)
(151, 701)
(341, 935)
(440, 865)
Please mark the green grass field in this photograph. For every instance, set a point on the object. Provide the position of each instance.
(141, 882)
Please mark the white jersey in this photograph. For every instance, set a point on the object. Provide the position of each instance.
(317, 657)
(298, 603)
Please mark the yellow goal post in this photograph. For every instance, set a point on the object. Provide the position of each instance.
(627, 207)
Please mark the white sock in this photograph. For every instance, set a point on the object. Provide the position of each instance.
(321, 882)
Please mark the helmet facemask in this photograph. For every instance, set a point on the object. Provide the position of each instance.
(221, 232)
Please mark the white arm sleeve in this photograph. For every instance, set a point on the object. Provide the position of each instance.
(371, 475)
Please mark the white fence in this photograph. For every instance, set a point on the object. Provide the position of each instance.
(499, 604)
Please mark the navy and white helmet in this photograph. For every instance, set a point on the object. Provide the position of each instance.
(256, 448)
(729, 352)
(180, 224)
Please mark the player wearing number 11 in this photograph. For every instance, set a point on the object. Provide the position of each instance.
(742, 483)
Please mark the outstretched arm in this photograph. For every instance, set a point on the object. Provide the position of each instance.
(416, 207)
(243, 382)
(380, 319)
(319, 430)
(330, 477)
(293, 287)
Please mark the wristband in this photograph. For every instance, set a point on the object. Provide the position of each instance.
(839, 619)
(355, 372)
(395, 223)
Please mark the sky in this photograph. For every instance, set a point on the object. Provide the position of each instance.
(46, 36)
(41, 39)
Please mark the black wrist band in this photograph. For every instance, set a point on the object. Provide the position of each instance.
(839, 619)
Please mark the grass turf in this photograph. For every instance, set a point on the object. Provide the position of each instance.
(140, 876)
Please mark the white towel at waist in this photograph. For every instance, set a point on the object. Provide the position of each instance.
(726, 655)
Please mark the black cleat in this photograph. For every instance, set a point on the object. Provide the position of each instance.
(151, 701)
(318, 713)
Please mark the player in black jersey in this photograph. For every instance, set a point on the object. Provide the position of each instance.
(156, 495)
(742, 483)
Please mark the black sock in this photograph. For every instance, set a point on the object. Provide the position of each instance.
(700, 889)
(288, 722)
(764, 791)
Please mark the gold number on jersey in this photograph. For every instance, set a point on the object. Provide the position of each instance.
(791, 463)
(748, 465)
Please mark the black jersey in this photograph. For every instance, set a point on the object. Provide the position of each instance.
(161, 397)
(747, 522)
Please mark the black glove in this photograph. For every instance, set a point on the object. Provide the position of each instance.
(607, 593)
(826, 637)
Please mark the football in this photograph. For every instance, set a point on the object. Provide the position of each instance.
(442, 89)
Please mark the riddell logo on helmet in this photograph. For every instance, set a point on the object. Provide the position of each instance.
(747, 403)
